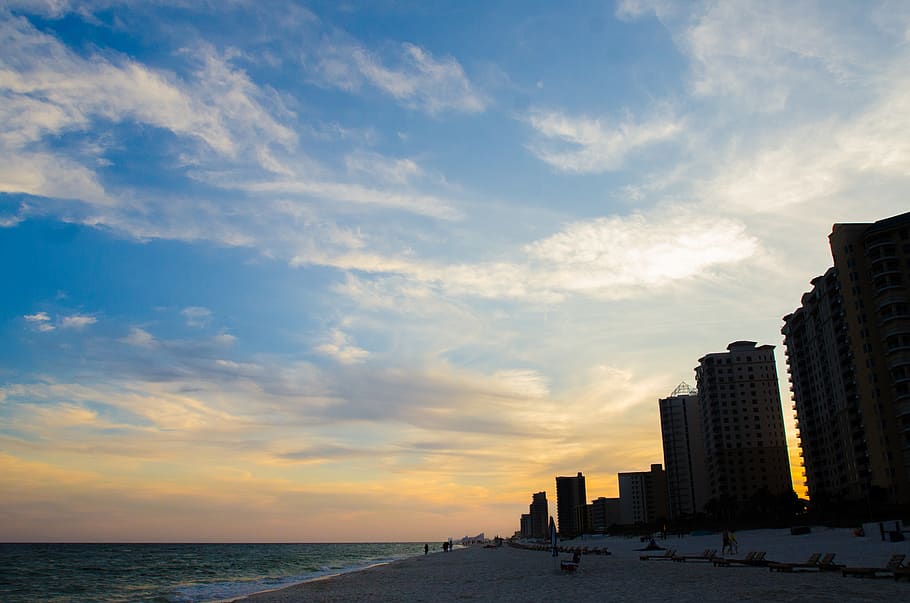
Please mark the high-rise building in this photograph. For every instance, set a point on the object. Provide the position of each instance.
(850, 372)
(605, 512)
(684, 451)
(823, 382)
(535, 523)
(540, 514)
(571, 506)
(643, 496)
(743, 424)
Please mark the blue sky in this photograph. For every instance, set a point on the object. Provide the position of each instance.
(380, 270)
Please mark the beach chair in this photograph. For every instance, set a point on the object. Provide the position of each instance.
(571, 566)
(668, 554)
(827, 564)
(727, 561)
(896, 563)
(706, 555)
(811, 563)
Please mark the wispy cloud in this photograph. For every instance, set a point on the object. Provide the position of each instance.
(779, 47)
(410, 75)
(364, 196)
(394, 170)
(592, 145)
(41, 321)
(196, 316)
(140, 338)
(50, 90)
(616, 257)
(611, 258)
(339, 347)
(77, 321)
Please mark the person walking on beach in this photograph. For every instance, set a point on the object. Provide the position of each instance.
(734, 547)
(426, 549)
(725, 541)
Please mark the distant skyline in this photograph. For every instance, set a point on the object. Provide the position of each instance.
(379, 271)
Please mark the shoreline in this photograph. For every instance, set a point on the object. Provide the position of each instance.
(508, 574)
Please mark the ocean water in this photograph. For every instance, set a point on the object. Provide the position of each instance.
(174, 573)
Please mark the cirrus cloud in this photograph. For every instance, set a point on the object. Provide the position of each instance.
(583, 144)
(417, 79)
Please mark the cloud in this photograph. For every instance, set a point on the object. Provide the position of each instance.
(340, 348)
(365, 196)
(523, 382)
(621, 256)
(224, 339)
(589, 145)
(49, 91)
(139, 338)
(77, 321)
(40, 321)
(781, 55)
(397, 171)
(52, 9)
(820, 162)
(417, 79)
(197, 316)
(49, 175)
(634, 9)
(607, 258)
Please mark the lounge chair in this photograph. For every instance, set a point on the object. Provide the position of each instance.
(571, 566)
(706, 555)
(757, 561)
(827, 564)
(896, 563)
(751, 560)
(810, 564)
(668, 554)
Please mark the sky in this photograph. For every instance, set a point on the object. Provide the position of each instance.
(379, 271)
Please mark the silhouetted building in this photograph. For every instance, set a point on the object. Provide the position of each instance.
(605, 512)
(826, 399)
(571, 506)
(743, 425)
(537, 517)
(684, 451)
(643, 496)
(525, 530)
(848, 355)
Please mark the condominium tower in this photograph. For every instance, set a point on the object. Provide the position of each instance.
(534, 523)
(571, 506)
(848, 355)
(643, 496)
(684, 451)
(743, 425)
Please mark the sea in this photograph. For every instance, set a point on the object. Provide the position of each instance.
(175, 573)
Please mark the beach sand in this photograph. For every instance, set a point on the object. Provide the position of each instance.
(509, 574)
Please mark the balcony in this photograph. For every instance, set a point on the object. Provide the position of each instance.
(897, 359)
(894, 298)
(880, 248)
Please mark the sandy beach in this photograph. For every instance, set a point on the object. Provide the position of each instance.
(510, 574)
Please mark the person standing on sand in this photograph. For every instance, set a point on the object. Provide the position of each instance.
(734, 547)
(426, 549)
(725, 541)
